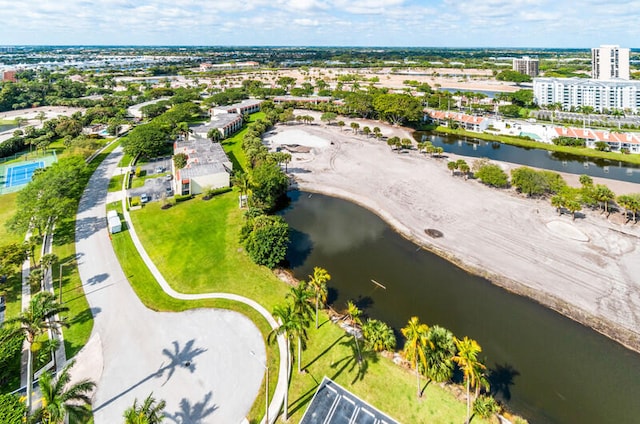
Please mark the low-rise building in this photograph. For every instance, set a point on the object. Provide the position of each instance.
(617, 141)
(207, 167)
(226, 123)
(301, 99)
(245, 106)
(467, 122)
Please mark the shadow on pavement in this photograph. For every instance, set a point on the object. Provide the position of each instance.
(193, 414)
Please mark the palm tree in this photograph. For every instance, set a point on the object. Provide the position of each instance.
(604, 194)
(291, 326)
(318, 283)
(355, 126)
(300, 296)
(150, 412)
(378, 335)
(354, 313)
(439, 357)
(61, 400)
(33, 322)
(414, 349)
(340, 124)
(472, 368)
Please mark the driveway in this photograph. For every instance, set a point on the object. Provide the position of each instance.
(200, 361)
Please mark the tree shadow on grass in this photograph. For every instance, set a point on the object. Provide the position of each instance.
(327, 349)
(304, 399)
(193, 413)
(357, 360)
(65, 232)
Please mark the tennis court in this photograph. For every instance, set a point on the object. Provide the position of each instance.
(21, 174)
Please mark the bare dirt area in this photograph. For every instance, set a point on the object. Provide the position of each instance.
(585, 269)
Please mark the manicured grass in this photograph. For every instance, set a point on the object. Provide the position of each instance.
(115, 183)
(7, 210)
(195, 246)
(233, 145)
(517, 141)
(125, 161)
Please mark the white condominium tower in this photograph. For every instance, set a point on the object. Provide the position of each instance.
(609, 62)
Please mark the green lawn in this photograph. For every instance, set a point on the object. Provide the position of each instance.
(517, 141)
(233, 145)
(115, 183)
(7, 210)
(195, 246)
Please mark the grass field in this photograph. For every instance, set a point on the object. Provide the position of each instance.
(195, 246)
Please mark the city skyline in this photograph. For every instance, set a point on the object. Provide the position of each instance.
(392, 23)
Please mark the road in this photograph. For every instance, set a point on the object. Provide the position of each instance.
(199, 361)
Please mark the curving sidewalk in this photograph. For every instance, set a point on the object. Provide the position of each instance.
(278, 396)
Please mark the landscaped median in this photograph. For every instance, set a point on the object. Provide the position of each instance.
(196, 247)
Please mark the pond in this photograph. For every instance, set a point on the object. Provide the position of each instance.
(546, 367)
(7, 127)
(539, 158)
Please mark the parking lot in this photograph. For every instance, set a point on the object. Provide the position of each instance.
(155, 188)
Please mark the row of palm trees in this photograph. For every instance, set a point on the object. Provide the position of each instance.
(432, 351)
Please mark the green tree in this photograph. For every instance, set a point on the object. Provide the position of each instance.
(289, 325)
(214, 135)
(354, 127)
(414, 349)
(12, 410)
(270, 184)
(452, 166)
(267, 240)
(398, 108)
(604, 195)
(528, 181)
(328, 117)
(486, 407)
(378, 336)
(439, 357)
(631, 203)
(318, 284)
(37, 319)
(146, 140)
(12, 255)
(467, 360)
(341, 124)
(353, 314)
(149, 412)
(492, 175)
(61, 401)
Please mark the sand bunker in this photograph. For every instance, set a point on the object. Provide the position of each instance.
(295, 136)
(566, 230)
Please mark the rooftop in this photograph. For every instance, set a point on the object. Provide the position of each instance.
(332, 404)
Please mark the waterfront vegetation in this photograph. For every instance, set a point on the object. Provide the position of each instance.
(531, 144)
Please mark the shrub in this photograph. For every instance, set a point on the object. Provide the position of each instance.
(486, 406)
(266, 238)
(182, 197)
(135, 201)
(12, 411)
(492, 175)
(180, 160)
(138, 171)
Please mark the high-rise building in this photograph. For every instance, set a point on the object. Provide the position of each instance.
(609, 62)
(527, 65)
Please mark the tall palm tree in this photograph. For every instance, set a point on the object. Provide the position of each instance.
(318, 283)
(300, 296)
(354, 313)
(291, 326)
(415, 346)
(472, 368)
(61, 400)
(34, 321)
(149, 412)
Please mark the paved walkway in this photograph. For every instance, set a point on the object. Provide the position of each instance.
(199, 361)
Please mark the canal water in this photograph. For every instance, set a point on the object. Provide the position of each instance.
(547, 368)
(7, 127)
(561, 162)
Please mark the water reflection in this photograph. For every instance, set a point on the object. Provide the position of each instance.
(556, 161)
(546, 367)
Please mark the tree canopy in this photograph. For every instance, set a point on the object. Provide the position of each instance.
(146, 140)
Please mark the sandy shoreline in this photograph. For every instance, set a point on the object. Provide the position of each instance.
(584, 269)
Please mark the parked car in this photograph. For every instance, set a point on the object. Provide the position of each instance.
(169, 191)
(144, 198)
(159, 170)
(168, 177)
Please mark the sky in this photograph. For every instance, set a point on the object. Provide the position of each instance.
(420, 23)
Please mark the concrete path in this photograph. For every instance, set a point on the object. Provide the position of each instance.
(199, 361)
(281, 387)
